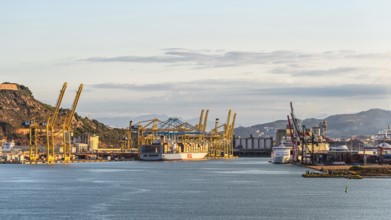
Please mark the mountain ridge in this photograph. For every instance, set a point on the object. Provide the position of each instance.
(367, 122)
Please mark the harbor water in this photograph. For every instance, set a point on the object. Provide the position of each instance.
(245, 188)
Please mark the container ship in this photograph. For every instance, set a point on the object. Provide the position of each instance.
(173, 151)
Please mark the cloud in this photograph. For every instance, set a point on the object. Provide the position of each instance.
(317, 72)
(343, 91)
(196, 85)
(385, 55)
(203, 58)
(222, 58)
(332, 72)
(134, 87)
(245, 89)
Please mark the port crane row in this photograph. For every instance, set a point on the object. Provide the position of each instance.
(219, 141)
(45, 132)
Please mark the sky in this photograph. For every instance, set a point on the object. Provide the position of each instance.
(176, 57)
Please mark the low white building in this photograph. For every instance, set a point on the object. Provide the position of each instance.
(81, 147)
(7, 146)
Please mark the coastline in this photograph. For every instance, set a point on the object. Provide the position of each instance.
(349, 171)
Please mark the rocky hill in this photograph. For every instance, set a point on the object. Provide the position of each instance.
(363, 123)
(344, 125)
(18, 106)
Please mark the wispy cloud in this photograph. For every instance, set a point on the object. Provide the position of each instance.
(342, 91)
(134, 87)
(203, 58)
(221, 58)
(316, 72)
(332, 72)
(245, 88)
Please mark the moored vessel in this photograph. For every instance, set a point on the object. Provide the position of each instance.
(281, 154)
(173, 151)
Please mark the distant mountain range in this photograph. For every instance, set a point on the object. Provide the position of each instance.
(343, 125)
(363, 123)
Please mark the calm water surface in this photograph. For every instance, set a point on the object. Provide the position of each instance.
(246, 188)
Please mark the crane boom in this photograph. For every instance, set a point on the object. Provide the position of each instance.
(67, 127)
(50, 153)
(68, 120)
(227, 126)
(292, 139)
(200, 126)
(53, 118)
(205, 121)
(231, 132)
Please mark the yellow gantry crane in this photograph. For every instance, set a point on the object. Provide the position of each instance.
(126, 142)
(202, 125)
(34, 133)
(147, 132)
(66, 128)
(217, 143)
(50, 131)
(230, 137)
(221, 143)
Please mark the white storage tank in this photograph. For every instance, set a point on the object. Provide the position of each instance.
(238, 142)
(262, 143)
(256, 143)
(249, 143)
(268, 143)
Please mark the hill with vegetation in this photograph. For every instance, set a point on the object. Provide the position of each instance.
(19, 106)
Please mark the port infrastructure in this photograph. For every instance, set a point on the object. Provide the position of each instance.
(126, 142)
(45, 133)
(67, 130)
(218, 142)
(306, 142)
